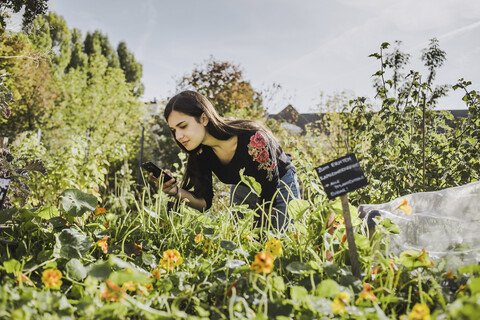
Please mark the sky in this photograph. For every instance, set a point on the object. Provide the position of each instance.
(308, 47)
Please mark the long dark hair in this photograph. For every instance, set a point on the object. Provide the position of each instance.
(194, 104)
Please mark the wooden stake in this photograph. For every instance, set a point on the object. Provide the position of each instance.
(352, 248)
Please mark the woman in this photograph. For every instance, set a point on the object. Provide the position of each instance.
(224, 147)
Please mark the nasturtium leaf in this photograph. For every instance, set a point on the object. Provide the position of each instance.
(149, 260)
(327, 288)
(299, 267)
(297, 207)
(474, 285)
(120, 277)
(76, 270)
(331, 269)
(278, 283)
(12, 265)
(47, 212)
(234, 264)
(299, 293)
(469, 269)
(251, 183)
(76, 202)
(228, 245)
(100, 271)
(71, 244)
(414, 259)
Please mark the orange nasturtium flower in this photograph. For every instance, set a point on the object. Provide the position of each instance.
(274, 246)
(340, 301)
(420, 312)
(156, 274)
(103, 244)
(22, 278)
(366, 294)
(171, 259)
(405, 207)
(112, 291)
(52, 278)
(99, 211)
(199, 238)
(263, 262)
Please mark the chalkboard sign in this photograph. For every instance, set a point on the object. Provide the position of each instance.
(3, 189)
(341, 176)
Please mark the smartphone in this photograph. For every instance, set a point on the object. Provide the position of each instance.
(151, 167)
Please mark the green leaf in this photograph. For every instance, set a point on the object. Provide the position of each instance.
(76, 270)
(251, 183)
(299, 267)
(120, 277)
(470, 269)
(327, 288)
(278, 284)
(385, 45)
(76, 202)
(149, 260)
(71, 244)
(299, 293)
(297, 208)
(234, 264)
(100, 271)
(12, 265)
(228, 245)
(414, 259)
(475, 285)
(47, 212)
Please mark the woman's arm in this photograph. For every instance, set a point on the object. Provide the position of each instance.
(171, 188)
(196, 203)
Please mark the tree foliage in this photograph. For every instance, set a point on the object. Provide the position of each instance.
(32, 8)
(224, 85)
(33, 89)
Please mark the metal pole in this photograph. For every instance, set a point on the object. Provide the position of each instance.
(140, 157)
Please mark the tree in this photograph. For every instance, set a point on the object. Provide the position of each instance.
(96, 42)
(78, 58)
(32, 9)
(49, 33)
(31, 84)
(223, 83)
(132, 69)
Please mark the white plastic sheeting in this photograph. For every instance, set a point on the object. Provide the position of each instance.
(445, 222)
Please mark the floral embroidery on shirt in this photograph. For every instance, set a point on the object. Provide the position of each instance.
(257, 148)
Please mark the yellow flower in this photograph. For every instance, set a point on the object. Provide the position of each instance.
(52, 278)
(420, 312)
(129, 286)
(366, 294)
(263, 262)
(171, 258)
(199, 238)
(340, 301)
(103, 244)
(405, 207)
(156, 274)
(274, 246)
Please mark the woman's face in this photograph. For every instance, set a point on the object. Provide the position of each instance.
(186, 129)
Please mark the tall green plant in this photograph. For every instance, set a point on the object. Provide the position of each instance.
(408, 146)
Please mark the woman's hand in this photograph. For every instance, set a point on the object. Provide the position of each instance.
(169, 187)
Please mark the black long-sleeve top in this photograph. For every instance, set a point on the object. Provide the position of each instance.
(255, 157)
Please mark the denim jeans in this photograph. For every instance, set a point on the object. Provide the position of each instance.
(289, 189)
